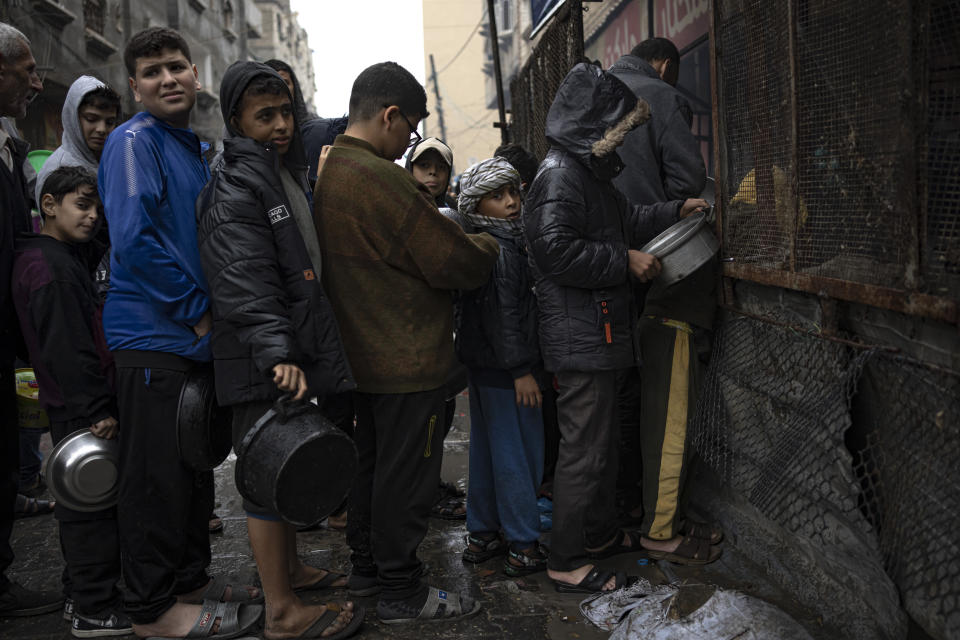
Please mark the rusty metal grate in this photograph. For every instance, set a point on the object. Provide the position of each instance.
(535, 85)
(839, 130)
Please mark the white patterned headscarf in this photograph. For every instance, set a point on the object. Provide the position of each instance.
(478, 181)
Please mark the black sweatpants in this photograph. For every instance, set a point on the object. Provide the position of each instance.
(90, 543)
(164, 506)
(9, 464)
(400, 441)
(584, 505)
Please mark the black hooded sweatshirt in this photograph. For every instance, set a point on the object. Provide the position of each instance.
(579, 227)
(268, 305)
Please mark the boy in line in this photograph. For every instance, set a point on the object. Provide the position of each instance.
(259, 250)
(57, 305)
(90, 113)
(390, 262)
(157, 324)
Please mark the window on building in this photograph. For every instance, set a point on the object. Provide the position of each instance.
(227, 14)
(93, 14)
(505, 12)
(280, 32)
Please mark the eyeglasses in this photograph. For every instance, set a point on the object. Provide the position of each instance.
(415, 137)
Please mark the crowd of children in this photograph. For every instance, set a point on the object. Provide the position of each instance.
(364, 290)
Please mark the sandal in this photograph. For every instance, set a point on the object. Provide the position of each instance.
(449, 508)
(235, 620)
(329, 617)
(450, 490)
(486, 547)
(521, 563)
(29, 507)
(593, 582)
(691, 551)
(441, 606)
(705, 531)
(326, 582)
(617, 547)
(218, 586)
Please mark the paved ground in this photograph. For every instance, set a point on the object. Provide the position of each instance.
(522, 609)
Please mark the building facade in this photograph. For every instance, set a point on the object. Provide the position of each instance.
(70, 38)
(282, 37)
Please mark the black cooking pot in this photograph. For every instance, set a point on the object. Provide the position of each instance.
(296, 463)
(203, 426)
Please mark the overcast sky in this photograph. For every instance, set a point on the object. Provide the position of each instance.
(349, 36)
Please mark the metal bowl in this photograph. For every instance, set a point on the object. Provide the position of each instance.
(82, 472)
(683, 248)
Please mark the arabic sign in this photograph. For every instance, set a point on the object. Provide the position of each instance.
(620, 36)
(681, 21)
(541, 11)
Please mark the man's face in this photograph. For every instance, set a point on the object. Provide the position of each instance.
(166, 84)
(96, 124)
(400, 134)
(266, 118)
(19, 83)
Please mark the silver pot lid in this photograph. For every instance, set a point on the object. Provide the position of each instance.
(81, 472)
(668, 241)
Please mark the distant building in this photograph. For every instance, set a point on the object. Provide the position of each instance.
(74, 37)
(282, 37)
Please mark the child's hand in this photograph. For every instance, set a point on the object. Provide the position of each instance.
(290, 377)
(692, 205)
(205, 325)
(642, 266)
(528, 391)
(106, 428)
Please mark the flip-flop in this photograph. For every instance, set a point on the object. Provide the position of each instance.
(27, 507)
(619, 547)
(326, 582)
(329, 617)
(238, 593)
(691, 551)
(593, 582)
(235, 620)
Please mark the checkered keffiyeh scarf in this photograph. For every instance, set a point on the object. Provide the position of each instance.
(479, 180)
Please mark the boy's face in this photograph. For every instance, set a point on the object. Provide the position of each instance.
(166, 84)
(398, 131)
(501, 203)
(75, 219)
(266, 118)
(96, 124)
(431, 171)
(287, 80)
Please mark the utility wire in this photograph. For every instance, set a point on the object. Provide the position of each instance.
(483, 16)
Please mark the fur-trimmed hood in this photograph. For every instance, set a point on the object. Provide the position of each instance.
(591, 114)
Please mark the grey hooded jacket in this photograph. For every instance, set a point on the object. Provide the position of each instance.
(73, 150)
(662, 159)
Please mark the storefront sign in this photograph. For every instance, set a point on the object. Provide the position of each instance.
(624, 33)
(681, 21)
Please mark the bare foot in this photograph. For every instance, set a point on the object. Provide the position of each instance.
(338, 522)
(175, 622)
(294, 621)
(577, 575)
(304, 575)
(661, 545)
(196, 596)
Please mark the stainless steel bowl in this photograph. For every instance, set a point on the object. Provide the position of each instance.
(82, 472)
(683, 248)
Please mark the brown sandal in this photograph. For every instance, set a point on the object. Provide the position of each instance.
(711, 532)
(690, 551)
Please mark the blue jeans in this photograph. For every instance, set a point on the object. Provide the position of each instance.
(506, 466)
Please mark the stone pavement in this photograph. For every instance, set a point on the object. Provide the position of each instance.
(524, 609)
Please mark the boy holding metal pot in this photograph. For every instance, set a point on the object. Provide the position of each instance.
(274, 331)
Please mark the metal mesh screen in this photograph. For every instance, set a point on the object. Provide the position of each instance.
(533, 88)
(840, 139)
(822, 438)
(940, 156)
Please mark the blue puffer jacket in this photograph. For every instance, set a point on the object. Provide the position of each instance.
(150, 176)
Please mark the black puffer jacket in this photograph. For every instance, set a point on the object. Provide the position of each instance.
(497, 323)
(268, 305)
(578, 228)
(663, 158)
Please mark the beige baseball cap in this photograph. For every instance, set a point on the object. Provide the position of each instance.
(436, 145)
